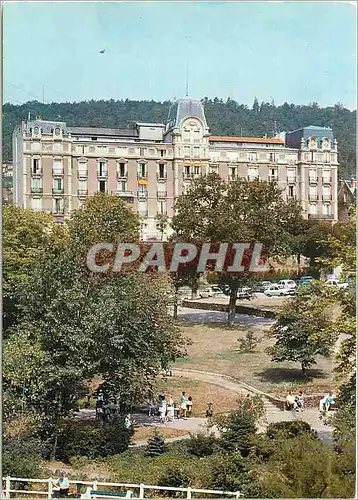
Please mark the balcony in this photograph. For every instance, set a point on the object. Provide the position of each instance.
(162, 178)
(122, 175)
(321, 216)
(273, 178)
(143, 175)
(102, 175)
(326, 180)
(36, 174)
(57, 191)
(125, 194)
(313, 180)
(142, 194)
(252, 178)
(82, 192)
(161, 194)
(36, 190)
(233, 177)
(326, 197)
(313, 197)
(82, 174)
(143, 213)
(291, 180)
(188, 176)
(57, 172)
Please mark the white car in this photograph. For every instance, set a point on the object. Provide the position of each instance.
(205, 293)
(278, 291)
(339, 284)
(288, 284)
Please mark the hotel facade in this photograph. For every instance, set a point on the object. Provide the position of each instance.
(56, 166)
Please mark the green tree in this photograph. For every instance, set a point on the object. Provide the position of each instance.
(297, 337)
(236, 430)
(213, 211)
(155, 445)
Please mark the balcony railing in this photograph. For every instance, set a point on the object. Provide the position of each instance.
(326, 180)
(321, 216)
(57, 191)
(291, 180)
(161, 194)
(122, 175)
(313, 180)
(142, 175)
(252, 178)
(102, 174)
(82, 174)
(273, 178)
(313, 197)
(142, 194)
(37, 173)
(326, 197)
(82, 192)
(162, 177)
(36, 190)
(233, 177)
(57, 172)
(125, 194)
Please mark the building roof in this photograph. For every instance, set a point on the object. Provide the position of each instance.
(263, 140)
(185, 108)
(100, 131)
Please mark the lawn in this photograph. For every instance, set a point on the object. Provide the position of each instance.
(201, 392)
(214, 349)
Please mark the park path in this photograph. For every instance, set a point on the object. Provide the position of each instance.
(272, 413)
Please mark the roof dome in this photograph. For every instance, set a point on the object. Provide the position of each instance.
(185, 108)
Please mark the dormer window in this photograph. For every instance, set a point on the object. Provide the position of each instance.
(57, 131)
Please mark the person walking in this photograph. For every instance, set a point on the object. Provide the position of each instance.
(162, 410)
(170, 409)
(183, 402)
(189, 406)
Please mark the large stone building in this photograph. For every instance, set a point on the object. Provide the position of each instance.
(57, 166)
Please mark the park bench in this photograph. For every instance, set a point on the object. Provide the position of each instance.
(90, 493)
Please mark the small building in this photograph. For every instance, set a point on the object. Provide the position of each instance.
(347, 198)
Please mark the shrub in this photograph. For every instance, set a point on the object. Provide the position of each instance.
(237, 429)
(289, 430)
(92, 439)
(202, 445)
(248, 343)
(155, 446)
(176, 477)
(21, 457)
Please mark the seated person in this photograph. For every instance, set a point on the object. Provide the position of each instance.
(299, 401)
(290, 401)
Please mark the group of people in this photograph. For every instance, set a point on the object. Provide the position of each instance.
(103, 411)
(167, 407)
(295, 402)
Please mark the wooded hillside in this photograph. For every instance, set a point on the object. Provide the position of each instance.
(223, 117)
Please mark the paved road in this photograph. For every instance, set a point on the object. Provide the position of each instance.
(202, 316)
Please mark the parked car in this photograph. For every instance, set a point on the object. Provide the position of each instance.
(288, 283)
(205, 293)
(244, 293)
(261, 286)
(339, 284)
(278, 291)
(305, 279)
(216, 291)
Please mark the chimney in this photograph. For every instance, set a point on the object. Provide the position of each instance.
(353, 183)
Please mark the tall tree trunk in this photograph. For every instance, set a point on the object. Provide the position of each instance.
(298, 263)
(304, 368)
(232, 305)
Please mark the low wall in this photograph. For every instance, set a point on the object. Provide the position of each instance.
(213, 306)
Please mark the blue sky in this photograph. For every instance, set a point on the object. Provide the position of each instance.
(298, 52)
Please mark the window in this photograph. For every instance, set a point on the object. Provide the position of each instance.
(291, 175)
(290, 192)
(82, 185)
(326, 193)
(57, 168)
(187, 171)
(272, 157)
(186, 135)
(313, 193)
(122, 186)
(58, 206)
(102, 186)
(142, 151)
(327, 209)
(197, 171)
(313, 175)
(122, 170)
(82, 169)
(36, 204)
(252, 156)
(142, 170)
(232, 173)
(142, 208)
(142, 189)
(35, 166)
(186, 151)
(326, 176)
(273, 174)
(58, 185)
(162, 171)
(196, 152)
(196, 135)
(253, 173)
(162, 207)
(313, 209)
(102, 169)
(163, 152)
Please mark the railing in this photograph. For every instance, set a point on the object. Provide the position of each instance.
(321, 216)
(313, 180)
(141, 488)
(82, 174)
(161, 194)
(326, 197)
(233, 177)
(36, 190)
(82, 192)
(103, 174)
(161, 177)
(273, 178)
(38, 173)
(125, 193)
(326, 180)
(142, 194)
(120, 176)
(252, 177)
(313, 197)
(57, 191)
(57, 172)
